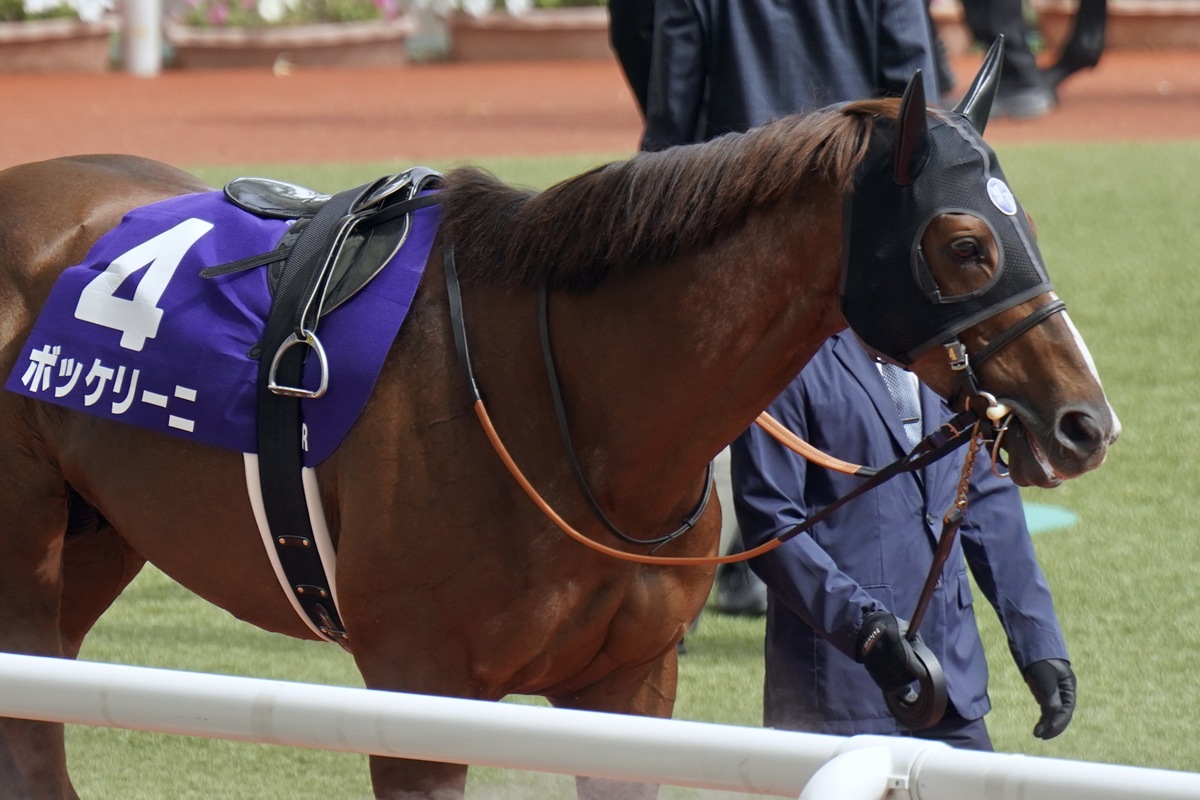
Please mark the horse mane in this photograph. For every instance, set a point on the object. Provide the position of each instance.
(650, 208)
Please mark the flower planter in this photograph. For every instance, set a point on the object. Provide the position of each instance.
(347, 44)
(559, 33)
(56, 45)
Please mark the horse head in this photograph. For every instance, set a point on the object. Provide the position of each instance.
(939, 252)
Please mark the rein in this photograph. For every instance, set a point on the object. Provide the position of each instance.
(805, 450)
(560, 416)
(947, 438)
(958, 362)
(918, 710)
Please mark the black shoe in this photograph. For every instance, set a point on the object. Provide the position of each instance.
(740, 592)
(1083, 49)
(1024, 103)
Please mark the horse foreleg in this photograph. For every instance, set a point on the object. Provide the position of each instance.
(97, 566)
(33, 511)
(650, 692)
(422, 780)
(597, 789)
(385, 669)
(33, 761)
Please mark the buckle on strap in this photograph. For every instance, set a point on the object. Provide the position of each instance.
(957, 353)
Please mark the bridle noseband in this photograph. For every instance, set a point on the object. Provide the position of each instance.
(1035, 317)
(985, 405)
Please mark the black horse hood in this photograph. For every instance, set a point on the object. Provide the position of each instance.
(889, 297)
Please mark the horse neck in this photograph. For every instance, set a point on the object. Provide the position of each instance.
(663, 367)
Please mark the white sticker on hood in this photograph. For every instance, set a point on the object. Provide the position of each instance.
(1001, 196)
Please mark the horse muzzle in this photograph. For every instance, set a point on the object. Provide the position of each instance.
(1046, 454)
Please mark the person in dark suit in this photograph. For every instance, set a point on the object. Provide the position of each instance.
(631, 35)
(1023, 91)
(719, 66)
(839, 593)
(1084, 46)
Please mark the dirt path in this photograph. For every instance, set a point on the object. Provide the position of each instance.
(461, 111)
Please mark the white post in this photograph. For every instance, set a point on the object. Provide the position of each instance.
(141, 37)
(860, 774)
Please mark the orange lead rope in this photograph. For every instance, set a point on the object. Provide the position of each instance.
(539, 501)
(806, 450)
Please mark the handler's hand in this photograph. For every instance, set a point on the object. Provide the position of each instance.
(886, 654)
(1053, 685)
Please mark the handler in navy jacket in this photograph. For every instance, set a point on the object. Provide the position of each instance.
(718, 66)
(862, 568)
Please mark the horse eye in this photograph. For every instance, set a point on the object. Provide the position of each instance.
(965, 249)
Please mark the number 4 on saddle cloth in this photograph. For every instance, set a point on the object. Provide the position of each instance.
(135, 334)
(196, 315)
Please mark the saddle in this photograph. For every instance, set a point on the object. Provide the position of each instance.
(369, 244)
(338, 244)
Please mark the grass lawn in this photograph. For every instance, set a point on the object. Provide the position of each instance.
(1119, 226)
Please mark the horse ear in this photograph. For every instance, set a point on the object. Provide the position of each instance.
(976, 104)
(911, 149)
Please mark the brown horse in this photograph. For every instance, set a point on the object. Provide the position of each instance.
(687, 289)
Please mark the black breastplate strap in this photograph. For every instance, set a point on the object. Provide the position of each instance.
(287, 340)
(560, 416)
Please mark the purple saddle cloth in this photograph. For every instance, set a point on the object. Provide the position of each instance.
(134, 334)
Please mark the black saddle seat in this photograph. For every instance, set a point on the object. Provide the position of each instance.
(363, 251)
(268, 197)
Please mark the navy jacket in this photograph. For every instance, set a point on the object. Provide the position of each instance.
(875, 552)
(730, 65)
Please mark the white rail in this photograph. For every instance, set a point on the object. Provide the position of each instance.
(750, 760)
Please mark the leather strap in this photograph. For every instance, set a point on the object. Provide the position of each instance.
(951, 435)
(280, 431)
(1041, 313)
(280, 451)
(560, 415)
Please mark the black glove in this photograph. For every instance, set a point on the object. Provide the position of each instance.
(1053, 685)
(886, 654)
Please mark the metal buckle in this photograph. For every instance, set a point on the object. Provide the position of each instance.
(956, 351)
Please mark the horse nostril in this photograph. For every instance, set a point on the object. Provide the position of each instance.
(1081, 431)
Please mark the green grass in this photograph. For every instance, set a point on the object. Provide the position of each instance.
(1119, 231)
